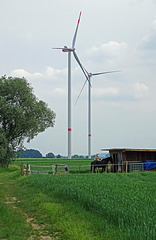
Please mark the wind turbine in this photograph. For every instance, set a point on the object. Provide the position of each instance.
(69, 50)
(90, 75)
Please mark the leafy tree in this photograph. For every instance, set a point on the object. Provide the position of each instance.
(29, 153)
(75, 156)
(58, 156)
(50, 155)
(22, 116)
(5, 151)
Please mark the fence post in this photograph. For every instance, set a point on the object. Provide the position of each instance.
(53, 169)
(22, 168)
(79, 168)
(28, 169)
(126, 166)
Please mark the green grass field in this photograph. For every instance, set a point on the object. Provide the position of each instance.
(75, 165)
(78, 206)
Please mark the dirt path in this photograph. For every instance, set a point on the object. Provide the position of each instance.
(43, 235)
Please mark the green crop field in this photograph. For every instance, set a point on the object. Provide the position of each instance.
(79, 206)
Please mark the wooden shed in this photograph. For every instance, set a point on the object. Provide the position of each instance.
(125, 157)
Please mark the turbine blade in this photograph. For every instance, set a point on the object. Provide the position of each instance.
(74, 38)
(82, 68)
(57, 48)
(95, 74)
(81, 91)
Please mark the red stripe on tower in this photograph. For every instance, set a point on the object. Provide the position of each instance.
(69, 129)
(89, 135)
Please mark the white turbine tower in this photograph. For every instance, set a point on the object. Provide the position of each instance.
(69, 50)
(90, 75)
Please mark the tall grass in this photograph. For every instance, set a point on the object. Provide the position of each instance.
(124, 202)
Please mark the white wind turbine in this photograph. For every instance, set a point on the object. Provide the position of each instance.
(69, 50)
(90, 75)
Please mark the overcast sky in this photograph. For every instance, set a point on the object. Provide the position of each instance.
(113, 35)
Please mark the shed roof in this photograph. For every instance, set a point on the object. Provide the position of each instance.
(128, 150)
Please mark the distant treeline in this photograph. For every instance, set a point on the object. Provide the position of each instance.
(32, 153)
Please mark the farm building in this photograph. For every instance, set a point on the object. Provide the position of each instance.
(132, 159)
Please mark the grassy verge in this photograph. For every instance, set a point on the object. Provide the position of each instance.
(13, 224)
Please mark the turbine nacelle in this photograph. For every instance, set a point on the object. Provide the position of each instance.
(66, 49)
